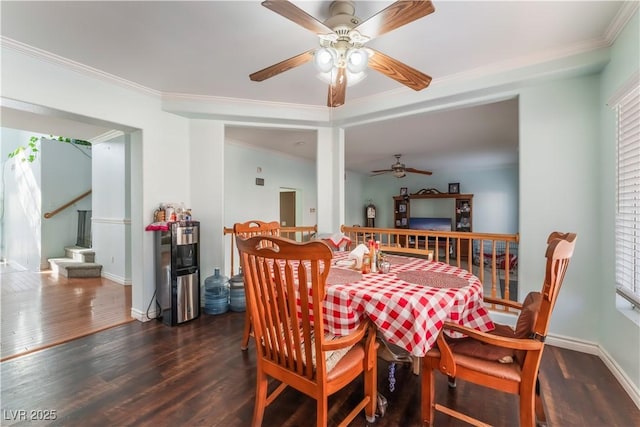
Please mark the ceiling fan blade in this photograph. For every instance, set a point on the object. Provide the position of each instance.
(379, 173)
(297, 15)
(382, 171)
(337, 91)
(283, 66)
(396, 15)
(398, 71)
(418, 171)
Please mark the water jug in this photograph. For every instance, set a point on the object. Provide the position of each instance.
(216, 290)
(237, 297)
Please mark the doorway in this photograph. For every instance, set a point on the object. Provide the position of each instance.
(287, 207)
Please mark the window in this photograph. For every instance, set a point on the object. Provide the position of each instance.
(628, 196)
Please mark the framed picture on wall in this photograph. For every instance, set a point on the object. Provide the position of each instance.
(404, 191)
(454, 188)
(402, 207)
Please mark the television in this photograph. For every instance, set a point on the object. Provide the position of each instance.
(432, 224)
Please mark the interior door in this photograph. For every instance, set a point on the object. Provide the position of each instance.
(287, 208)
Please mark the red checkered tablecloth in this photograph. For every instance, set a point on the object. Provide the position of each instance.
(407, 314)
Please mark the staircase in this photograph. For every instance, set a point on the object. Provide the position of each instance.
(78, 262)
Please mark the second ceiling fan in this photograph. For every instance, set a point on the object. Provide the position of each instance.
(342, 54)
(399, 170)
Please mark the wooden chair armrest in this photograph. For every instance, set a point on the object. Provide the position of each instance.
(513, 343)
(347, 340)
(504, 302)
(447, 364)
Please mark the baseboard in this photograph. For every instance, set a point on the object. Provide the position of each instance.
(573, 344)
(142, 315)
(118, 279)
(621, 376)
(592, 348)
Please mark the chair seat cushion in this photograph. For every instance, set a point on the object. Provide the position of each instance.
(332, 357)
(351, 358)
(524, 326)
(474, 348)
(509, 371)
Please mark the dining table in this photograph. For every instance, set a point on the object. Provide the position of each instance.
(409, 305)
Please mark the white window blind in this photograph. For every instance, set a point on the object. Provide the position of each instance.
(628, 197)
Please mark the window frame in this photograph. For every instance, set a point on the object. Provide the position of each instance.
(627, 214)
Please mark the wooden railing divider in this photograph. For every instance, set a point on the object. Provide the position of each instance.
(475, 252)
(491, 257)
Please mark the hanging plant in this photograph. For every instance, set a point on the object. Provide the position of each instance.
(31, 149)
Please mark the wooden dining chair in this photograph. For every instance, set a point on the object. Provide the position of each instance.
(285, 283)
(248, 229)
(504, 359)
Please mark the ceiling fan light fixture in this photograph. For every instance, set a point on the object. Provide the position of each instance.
(357, 60)
(399, 173)
(324, 59)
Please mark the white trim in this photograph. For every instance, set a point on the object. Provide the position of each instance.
(573, 344)
(592, 348)
(98, 220)
(75, 66)
(621, 376)
(582, 346)
(632, 82)
(142, 316)
(621, 19)
(107, 136)
(118, 279)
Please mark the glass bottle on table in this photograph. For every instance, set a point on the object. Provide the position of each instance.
(373, 256)
(366, 263)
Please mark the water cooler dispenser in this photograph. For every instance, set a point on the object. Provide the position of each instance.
(178, 272)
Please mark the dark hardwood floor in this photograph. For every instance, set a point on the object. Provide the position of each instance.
(149, 374)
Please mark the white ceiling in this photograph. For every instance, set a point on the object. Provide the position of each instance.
(210, 48)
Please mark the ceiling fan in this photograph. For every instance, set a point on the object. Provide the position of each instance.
(399, 170)
(342, 56)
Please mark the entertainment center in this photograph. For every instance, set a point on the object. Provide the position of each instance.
(461, 218)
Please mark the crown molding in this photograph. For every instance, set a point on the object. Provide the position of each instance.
(625, 13)
(222, 100)
(107, 136)
(625, 89)
(227, 107)
(78, 67)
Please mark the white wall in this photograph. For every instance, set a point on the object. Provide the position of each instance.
(111, 216)
(559, 136)
(623, 346)
(60, 173)
(355, 201)
(244, 200)
(22, 201)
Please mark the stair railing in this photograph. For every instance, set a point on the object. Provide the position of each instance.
(66, 205)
